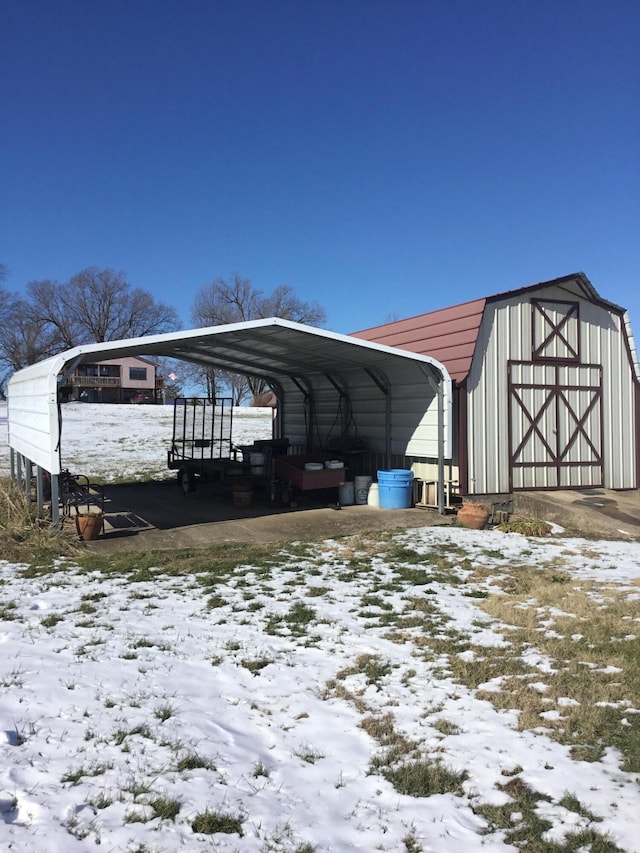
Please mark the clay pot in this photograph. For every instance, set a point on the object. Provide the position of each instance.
(474, 516)
(89, 525)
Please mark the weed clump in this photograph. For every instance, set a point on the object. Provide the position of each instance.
(527, 527)
(25, 538)
(208, 823)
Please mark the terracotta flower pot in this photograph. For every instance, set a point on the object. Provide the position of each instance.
(89, 525)
(474, 516)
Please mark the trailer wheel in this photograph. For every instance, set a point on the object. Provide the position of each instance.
(186, 480)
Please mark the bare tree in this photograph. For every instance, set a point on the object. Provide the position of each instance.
(23, 339)
(236, 300)
(98, 305)
(284, 303)
(94, 306)
(47, 306)
(224, 301)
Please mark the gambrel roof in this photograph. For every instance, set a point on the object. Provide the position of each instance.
(450, 334)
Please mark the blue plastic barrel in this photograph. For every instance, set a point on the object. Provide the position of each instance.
(395, 488)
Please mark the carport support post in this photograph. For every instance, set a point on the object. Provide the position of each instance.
(39, 492)
(440, 448)
(439, 389)
(28, 473)
(55, 501)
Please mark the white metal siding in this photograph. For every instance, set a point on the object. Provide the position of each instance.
(604, 340)
(505, 334)
(413, 413)
(33, 422)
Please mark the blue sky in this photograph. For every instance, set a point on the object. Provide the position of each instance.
(382, 158)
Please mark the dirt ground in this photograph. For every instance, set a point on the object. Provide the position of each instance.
(159, 515)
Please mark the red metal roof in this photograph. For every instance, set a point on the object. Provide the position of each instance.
(448, 335)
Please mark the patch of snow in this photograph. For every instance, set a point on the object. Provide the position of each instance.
(100, 706)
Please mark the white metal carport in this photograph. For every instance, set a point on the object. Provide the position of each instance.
(328, 385)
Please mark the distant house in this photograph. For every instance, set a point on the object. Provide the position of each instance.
(115, 380)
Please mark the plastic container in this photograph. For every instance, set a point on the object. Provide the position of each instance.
(395, 488)
(373, 498)
(334, 464)
(346, 494)
(362, 486)
(257, 464)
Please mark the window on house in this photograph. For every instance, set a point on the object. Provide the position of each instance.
(112, 370)
(138, 373)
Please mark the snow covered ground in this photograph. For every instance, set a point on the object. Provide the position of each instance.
(153, 710)
(112, 442)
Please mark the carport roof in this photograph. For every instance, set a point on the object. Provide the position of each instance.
(280, 351)
(271, 348)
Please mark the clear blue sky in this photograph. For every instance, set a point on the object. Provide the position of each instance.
(382, 158)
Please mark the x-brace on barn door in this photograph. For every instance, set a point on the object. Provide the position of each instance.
(555, 425)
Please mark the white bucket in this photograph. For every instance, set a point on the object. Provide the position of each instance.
(362, 485)
(346, 494)
(257, 464)
(373, 498)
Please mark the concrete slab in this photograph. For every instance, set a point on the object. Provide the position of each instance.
(594, 513)
(158, 515)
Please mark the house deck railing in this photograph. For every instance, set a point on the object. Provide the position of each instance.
(94, 381)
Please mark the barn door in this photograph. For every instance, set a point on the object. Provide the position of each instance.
(555, 426)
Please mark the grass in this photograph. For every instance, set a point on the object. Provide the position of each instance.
(210, 822)
(77, 774)
(587, 633)
(293, 623)
(8, 611)
(165, 807)
(23, 537)
(424, 778)
(51, 620)
(255, 665)
(308, 753)
(396, 747)
(142, 729)
(526, 527)
(524, 828)
(193, 761)
(164, 712)
(373, 667)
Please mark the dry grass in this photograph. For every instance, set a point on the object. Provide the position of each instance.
(526, 527)
(23, 537)
(571, 667)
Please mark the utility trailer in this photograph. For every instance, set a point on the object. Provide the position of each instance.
(201, 447)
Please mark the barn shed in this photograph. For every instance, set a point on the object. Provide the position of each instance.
(546, 387)
(384, 407)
